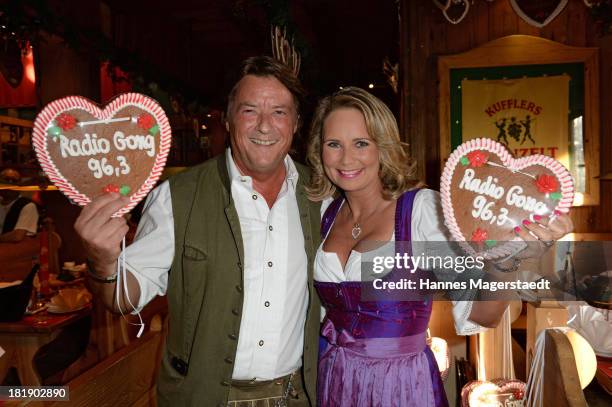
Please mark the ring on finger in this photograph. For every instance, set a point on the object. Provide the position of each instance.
(548, 243)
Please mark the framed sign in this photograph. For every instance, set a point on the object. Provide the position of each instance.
(533, 95)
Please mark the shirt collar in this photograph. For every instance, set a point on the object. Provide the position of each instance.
(291, 174)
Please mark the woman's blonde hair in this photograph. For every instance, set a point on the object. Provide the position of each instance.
(397, 169)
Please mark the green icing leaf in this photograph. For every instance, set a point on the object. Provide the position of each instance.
(555, 196)
(54, 131)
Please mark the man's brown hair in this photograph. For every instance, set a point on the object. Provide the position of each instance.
(263, 66)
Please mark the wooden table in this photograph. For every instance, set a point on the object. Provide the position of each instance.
(21, 340)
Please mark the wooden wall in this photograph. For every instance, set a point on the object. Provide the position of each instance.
(425, 34)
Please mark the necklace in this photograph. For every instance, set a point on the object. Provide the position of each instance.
(356, 231)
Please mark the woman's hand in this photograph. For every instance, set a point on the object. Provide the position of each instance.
(542, 233)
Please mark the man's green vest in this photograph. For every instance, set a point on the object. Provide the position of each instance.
(205, 288)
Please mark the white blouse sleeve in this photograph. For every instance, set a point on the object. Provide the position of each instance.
(428, 226)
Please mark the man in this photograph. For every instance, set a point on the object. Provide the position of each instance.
(231, 242)
(18, 215)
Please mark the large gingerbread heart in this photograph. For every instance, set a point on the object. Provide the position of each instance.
(486, 193)
(87, 151)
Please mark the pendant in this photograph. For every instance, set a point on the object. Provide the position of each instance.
(356, 231)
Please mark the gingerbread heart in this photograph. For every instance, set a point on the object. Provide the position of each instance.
(499, 392)
(486, 193)
(87, 151)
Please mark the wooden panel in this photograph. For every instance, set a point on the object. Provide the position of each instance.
(556, 30)
(605, 83)
(527, 29)
(480, 23)
(486, 22)
(502, 20)
(13, 121)
(412, 98)
(576, 24)
(122, 379)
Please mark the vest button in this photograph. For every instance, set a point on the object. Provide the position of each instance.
(232, 336)
(254, 197)
(229, 360)
(269, 264)
(239, 288)
(235, 311)
(225, 383)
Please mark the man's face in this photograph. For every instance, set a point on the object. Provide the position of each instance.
(262, 121)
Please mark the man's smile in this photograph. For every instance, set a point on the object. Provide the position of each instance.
(263, 142)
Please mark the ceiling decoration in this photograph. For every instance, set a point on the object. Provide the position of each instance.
(284, 50)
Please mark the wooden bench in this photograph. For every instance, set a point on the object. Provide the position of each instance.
(126, 378)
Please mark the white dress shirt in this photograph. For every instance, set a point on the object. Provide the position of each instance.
(271, 336)
(427, 225)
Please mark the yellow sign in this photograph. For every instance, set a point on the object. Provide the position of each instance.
(528, 115)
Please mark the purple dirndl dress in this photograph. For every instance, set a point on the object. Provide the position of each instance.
(374, 353)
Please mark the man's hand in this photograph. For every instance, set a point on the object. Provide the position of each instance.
(101, 234)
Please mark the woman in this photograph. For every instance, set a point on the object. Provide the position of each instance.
(375, 352)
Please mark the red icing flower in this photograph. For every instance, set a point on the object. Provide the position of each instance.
(66, 121)
(110, 188)
(146, 121)
(477, 158)
(547, 183)
(479, 235)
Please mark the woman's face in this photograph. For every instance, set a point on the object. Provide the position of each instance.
(350, 156)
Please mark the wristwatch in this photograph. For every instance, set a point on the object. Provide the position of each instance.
(96, 277)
